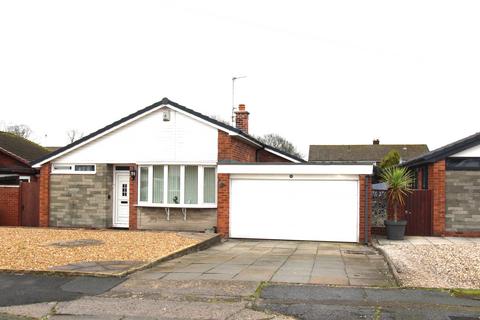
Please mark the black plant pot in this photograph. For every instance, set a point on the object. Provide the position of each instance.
(395, 229)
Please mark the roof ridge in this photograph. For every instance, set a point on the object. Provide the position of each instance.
(164, 101)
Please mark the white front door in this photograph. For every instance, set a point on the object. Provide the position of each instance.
(121, 207)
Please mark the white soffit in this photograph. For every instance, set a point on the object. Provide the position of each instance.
(470, 152)
(294, 169)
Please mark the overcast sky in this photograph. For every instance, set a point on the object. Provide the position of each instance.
(333, 72)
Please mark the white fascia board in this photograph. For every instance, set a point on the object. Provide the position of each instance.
(98, 136)
(38, 165)
(230, 132)
(294, 169)
(281, 155)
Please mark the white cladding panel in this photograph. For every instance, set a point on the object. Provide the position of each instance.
(320, 210)
(472, 152)
(150, 140)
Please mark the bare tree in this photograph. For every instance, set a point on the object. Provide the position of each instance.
(20, 130)
(279, 142)
(74, 134)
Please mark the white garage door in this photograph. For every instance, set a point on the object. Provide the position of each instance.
(322, 210)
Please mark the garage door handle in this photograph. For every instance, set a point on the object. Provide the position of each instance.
(123, 202)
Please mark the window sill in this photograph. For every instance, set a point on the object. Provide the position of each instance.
(188, 206)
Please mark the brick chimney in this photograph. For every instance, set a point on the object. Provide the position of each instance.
(376, 141)
(241, 118)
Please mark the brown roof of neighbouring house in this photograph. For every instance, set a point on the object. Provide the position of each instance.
(21, 147)
(363, 152)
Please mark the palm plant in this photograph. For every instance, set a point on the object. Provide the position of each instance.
(399, 181)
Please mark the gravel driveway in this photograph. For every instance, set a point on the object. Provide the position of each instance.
(435, 262)
(42, 249)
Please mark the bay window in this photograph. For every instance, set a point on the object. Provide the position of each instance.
(191, 184)
(143, 184)
(209, 189)
(174, 184)
(177, 185)
(158, 182)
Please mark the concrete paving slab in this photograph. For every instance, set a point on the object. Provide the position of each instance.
(149, 275)
(295, 261)
(312, 293)
(192, 288)
(332, 280)
(253, 276)
(329, 265)
(197, 267)
(290, 278)
(217, 276)
(227, 269)
(84, 317)
(36, 310)
(329, 272)
(248, 314)
(182, 276)
(147, 308)
(91, 285)
(364, 282)
(244, 259)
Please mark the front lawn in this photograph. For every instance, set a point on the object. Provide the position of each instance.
(80, 250)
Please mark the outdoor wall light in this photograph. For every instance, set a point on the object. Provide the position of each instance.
(133, 173)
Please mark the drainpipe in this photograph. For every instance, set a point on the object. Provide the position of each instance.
(366, 209)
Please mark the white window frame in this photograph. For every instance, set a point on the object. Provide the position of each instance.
(25, 178)
(72, 168)
(182, 203)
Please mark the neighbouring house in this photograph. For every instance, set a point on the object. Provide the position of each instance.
(168, 167)
(358, 153)
(452, 173)
(16, 153)
(17, 177)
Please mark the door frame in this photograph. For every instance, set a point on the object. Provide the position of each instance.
(114, 191)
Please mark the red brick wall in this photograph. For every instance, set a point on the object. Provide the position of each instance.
(223, 204)
(8, 161)
(363, 212)
(436, 182)
(265, 156)
(233, 149)
(133, 198)
(44, 195)
(9, 206)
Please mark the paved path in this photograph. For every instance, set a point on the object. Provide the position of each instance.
(278, 261)
(237, 300)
